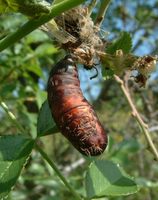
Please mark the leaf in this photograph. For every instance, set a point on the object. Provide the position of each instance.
(104, 178)
(107, 73)
(41, 95)
(117, 56)
(35, 68)
(45, 122)
(57, 1)
(124, 43)
(37, 36)
(45, 49)
(14, 151)
(4, 7)
(117, 63)
(7, 89)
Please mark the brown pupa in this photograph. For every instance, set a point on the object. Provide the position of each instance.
(72, 113)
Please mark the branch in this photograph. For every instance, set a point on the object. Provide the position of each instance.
(101, 13)
(91, 6)
(137, 116)
(44, 155)
(54, 167)
(33, 24)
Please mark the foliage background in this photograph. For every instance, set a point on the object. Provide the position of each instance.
(24, 69)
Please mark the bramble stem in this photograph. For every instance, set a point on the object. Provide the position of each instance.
(91, 6)
(137, 116)
(33, 24)
(54, 167)
(101, 13)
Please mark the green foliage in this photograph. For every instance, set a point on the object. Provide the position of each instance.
(105, 178)
(37, 22)
(123, 43)
(14, 152)
(45, 123)
(24, 68)
(117, 58)
(107, 73)
(45, 49)
(57, 1)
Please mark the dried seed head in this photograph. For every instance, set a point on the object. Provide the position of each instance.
(80, 26)
(144, 65)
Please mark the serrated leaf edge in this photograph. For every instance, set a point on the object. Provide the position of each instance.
(2, 174)
(124, 173)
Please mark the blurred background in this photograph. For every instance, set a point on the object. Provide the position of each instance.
(24, 69)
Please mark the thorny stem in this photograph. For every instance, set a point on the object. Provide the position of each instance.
(137, 116)
(101, 13)
(12, 117)
(34, 23)
(91, 6)
(54, 167)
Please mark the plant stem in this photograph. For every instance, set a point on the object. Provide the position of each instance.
(91, 6)
(54, 167)
(44, 155)
(33, 24)
(101, 13)
(12, 117)
(137, 116)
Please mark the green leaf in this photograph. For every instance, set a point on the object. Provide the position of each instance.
(57, 1)
(35, 68)
(37, 36)
(45, 49)
(41, 96)
(14, 151)
(117, 63)
(7, 89)
(45, 122)
(124, 43)
(107, 73)
(104, 178)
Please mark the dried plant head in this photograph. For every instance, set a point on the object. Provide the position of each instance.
(76, 33)
(144, 65)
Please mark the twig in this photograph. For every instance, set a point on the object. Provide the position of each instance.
(101, 13)
(136, 115)
(44, 155)
(91, 6)
(54, 167)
